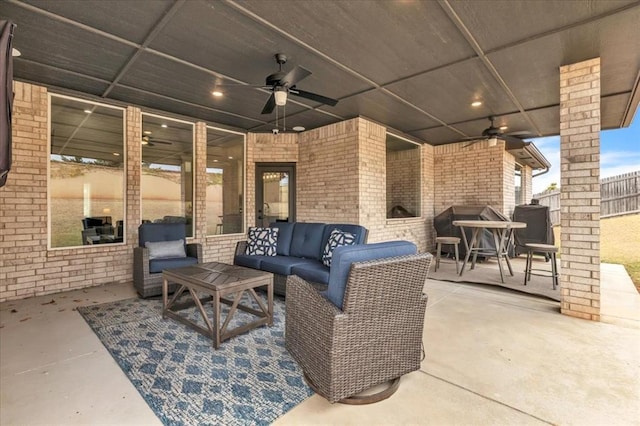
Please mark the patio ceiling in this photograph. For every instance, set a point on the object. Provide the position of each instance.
(415, 66)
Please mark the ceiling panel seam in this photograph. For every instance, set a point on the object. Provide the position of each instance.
(466, 33)
(335, 62)
(150, 37)
(96, 31)
(564, 28)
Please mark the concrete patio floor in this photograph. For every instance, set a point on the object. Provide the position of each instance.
(493, 356)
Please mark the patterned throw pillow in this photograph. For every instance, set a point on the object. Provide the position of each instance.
(336, 239)
(262, 241)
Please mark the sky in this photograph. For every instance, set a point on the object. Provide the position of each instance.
(619, 153)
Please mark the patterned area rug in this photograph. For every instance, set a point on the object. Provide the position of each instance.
(251, 379)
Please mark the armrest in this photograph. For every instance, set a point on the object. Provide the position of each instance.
(241, 247)
(140, 263)
(195, 250)
(304, 298)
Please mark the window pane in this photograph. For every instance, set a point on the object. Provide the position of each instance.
(167, 171)
(86, 182)
(403, 178)
(225, 182)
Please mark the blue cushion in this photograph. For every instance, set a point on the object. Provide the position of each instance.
(344, 256)
(262, 241)
(313, 271)
(359, 231)
(154, 232)
(158, 265)
(307, 240)
(284, 237)
(281, 264)
(250, 261)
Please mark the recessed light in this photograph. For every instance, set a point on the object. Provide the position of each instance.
(15, 52)
(298, 128)
(230, 158)
(117, 154)
(476, 103)
(217, 93)
(215, 161)
(164, 126)
(146, 132)
(504, 127)
(88, 111)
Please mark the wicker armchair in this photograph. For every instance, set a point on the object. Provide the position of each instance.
(147, 273)
(375, 338)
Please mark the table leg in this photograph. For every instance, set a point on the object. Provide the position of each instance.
(216, 319)
(165, 295)
(270, 301)
(475, 246)
(505, 245)
(498, 243)
(467, 251)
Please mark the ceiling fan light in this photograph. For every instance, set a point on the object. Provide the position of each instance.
(281, 97)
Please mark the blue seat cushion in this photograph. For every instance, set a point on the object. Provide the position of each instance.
(284, 237)
(313, 271)
(344, 256)
(307, 240)
(158, 265)
(250, 261)
(282, 264)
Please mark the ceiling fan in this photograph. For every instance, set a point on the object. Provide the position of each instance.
(283, 84)
(148, 140)
(493, 133)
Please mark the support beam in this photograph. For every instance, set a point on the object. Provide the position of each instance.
(580, 189)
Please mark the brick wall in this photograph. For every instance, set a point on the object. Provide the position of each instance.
(327, 174)
(580, 189)
(471, 175)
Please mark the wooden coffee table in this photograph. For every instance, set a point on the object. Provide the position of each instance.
(216, 281)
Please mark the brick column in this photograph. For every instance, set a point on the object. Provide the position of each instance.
(580, 189)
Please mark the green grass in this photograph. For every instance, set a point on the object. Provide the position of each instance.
(619, 243)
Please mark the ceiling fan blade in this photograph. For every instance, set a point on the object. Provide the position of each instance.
(294, 76)
(270, 105)
(510, 138)
(314, 97)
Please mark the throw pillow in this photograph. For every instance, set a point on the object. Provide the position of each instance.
(336, 239)
(165, 249)
(262, 241)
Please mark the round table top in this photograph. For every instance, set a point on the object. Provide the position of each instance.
(489, 224)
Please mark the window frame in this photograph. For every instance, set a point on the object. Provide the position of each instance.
(50, 95)
(194, 218)
(244, 183)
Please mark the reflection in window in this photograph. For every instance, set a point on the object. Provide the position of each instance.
(518, 184)
(167, 171)
(86, 177)
(403, 178)
(225, 182)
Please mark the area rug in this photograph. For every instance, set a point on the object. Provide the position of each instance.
(250, 380)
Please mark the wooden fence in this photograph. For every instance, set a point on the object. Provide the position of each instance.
(618, 195)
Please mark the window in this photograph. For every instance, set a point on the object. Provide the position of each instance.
(167, 171)
(225, 182)
(403, 178)
(518, 185)
(86, 173)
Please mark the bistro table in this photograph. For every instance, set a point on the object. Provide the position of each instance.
(501, 231)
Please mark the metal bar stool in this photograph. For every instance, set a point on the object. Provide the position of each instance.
(454, 241)
(547, 250)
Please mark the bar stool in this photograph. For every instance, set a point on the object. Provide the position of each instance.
(545, 249)
(454, 241)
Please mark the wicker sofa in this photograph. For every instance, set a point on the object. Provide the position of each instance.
(299, 252)
(366, 329)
